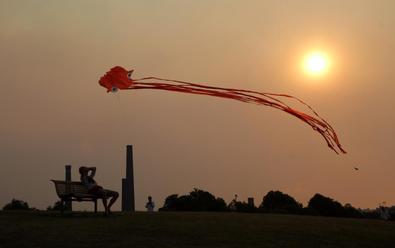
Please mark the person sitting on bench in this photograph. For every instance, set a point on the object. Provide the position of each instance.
(94, 189)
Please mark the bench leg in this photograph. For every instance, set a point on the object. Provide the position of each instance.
(95, 206)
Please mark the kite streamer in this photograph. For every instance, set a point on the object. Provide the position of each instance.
(119, 78)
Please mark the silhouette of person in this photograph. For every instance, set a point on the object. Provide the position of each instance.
(87, 174)
(150, 205)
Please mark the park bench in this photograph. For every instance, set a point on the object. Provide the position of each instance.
(73, 191)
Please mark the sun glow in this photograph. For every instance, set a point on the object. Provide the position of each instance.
(316, 63)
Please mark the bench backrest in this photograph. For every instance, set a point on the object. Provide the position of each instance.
(64, 188)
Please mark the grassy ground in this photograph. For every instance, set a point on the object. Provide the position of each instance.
(41, 229)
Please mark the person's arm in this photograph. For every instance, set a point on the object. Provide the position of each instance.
(93, 171)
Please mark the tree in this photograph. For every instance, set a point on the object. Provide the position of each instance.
(197, 200)
(278, 202)
(326, 206)
(17, 205)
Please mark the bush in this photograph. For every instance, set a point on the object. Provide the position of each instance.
(197, 200)
(244, 207)
(309, 211)
(17, 205)
(56, 207)
(278, 202)
(352, 212)
(392, 213)
(326, 206)
(170, 203)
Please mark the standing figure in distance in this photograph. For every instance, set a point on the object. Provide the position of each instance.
(150, 205)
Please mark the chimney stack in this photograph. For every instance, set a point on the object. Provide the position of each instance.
(68, 205)
(128, 183)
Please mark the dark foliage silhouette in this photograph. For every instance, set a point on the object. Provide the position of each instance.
(273, 202)
(197, 200)
(326, 206)
(244, 207)
(352, 212)
(56, 207)
(278, 202)
(17, 205)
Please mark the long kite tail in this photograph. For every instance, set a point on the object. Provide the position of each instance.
(318, 124)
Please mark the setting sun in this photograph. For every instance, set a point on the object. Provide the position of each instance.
(316, 63)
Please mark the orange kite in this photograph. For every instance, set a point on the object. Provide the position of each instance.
(119, 78)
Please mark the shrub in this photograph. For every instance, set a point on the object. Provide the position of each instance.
(197, 200)
(16, 205)
(326, 206)
(278, 202)
(352, 212)
(244, 207)
(56, 207)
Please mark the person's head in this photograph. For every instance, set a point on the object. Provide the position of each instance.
(83, 171)
(149, 198)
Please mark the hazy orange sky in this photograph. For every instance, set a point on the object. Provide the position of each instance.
(53, 112)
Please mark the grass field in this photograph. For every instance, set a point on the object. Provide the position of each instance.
(41, 229)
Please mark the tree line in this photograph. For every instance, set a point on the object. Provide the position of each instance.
(273, 202)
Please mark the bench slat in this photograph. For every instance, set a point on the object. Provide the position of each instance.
(70, 189)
